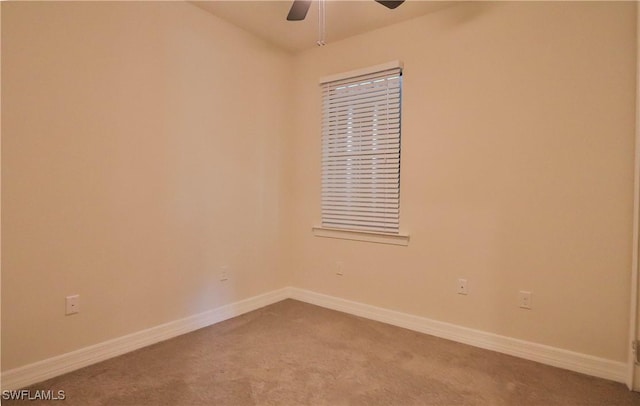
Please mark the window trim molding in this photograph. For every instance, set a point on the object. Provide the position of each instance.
(363, 71)
(380, 238)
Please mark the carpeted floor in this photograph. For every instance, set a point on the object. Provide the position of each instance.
(292, 353)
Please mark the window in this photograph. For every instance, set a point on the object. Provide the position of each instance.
(361, 150)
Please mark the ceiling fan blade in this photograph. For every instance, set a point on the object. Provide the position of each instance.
(390, 4)
(298, 10)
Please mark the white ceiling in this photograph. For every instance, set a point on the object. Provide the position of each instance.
(267, 19)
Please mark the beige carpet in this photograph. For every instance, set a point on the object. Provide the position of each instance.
(292, 353)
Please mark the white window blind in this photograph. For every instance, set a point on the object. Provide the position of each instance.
(361, 152)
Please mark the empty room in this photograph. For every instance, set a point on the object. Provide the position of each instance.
(320, 203)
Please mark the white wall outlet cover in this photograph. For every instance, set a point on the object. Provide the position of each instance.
(224, 273)
(72, 304)
(524, 299)
(463, 287)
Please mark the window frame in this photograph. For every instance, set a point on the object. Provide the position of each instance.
(385, 227)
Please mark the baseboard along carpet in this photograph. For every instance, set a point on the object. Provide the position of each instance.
(295, 353)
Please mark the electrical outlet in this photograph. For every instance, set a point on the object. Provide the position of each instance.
(462, 287)
(224, 273)
(72, 304)
(339, 268)
(524, 299)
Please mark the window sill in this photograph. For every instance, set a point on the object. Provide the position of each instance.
(379, 238)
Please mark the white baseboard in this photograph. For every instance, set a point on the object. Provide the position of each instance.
(51, 367)
(586, 364)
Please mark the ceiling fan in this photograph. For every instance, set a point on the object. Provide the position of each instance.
(299, 8)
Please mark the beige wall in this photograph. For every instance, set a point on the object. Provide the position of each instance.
(517, 172)
(141, 150)
(146, 144)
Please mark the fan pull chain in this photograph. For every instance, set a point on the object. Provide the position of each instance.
(322, 31)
